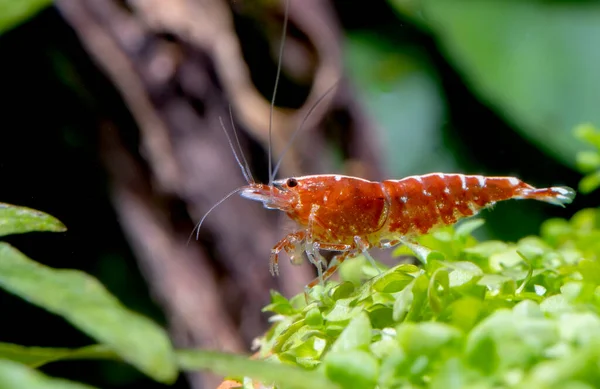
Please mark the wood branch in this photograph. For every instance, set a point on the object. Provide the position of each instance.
(182, 277)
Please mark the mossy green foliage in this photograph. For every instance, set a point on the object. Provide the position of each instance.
(475, 314)
(588, 162)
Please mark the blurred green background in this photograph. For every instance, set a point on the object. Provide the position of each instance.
(482, 87)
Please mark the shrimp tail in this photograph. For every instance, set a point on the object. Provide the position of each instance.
(557, 195)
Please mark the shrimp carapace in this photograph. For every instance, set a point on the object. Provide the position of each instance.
(351, 215)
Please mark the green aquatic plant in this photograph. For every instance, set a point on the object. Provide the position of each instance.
(475, 314)
(588, 161)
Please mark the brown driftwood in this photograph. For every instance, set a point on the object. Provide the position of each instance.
(178, 66)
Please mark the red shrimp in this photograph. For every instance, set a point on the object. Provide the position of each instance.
(352, 215)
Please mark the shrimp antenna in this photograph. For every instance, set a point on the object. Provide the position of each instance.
(197, 227)
(297, 130)
(283, 34)
(244, 167)
(245, 172)
(237, 140)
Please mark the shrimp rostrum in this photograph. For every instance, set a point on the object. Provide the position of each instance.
(352, 215)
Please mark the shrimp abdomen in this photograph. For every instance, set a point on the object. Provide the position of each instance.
(419, 203)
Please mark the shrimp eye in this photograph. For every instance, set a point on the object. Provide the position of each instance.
(291, 182)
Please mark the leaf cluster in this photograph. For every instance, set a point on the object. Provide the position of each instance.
(588, 161)
(475, 315)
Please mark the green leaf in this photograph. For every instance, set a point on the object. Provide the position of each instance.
(288, 333)
(503, 47)
(19, 220)
(580, 328)
(555, 230)
(438, 279)
(424, 254)
(314, 318)
(452, 375)
(427, 338)
(467, 227)
(590, 270)
(265, 371)
(86, 304)
(403, 302)
(342, 290)
(12, 12)
(14, 375)
(293, 336)
(588, 161)
(555, 305)
(518, 339)
(38, 356)
(357, 334)
(589, 183)
(505, 259)
(483, 250)
(385, 347)
(484, 356)
(342, 311)
(587, 132)
(465, 312)
(528, 308)
(279, 304)
(307, 353)
(381, 316)
(419, 291)
(462, 273)
(392, 281)
(352, 369)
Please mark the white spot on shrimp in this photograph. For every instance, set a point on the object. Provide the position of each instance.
(447, 190)
(404, 199)
(416, 178)
(561, 191)
(514, 181)
(481, 181)
(325, 198)
(337, 178)
(562, 195)
(440, 175)
(426, 193)
(463, 181)
(457, 202)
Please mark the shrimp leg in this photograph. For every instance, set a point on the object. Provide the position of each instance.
(389, 244)
(289, 244)
(316, 247)
(364, 246)
(335, 264)
(312, 247)
(316, 259)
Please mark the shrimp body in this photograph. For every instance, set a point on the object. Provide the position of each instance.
(352, 215)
